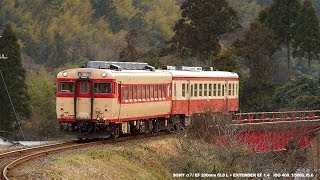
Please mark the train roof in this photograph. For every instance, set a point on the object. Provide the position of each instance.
(96, 73)
(140, 73)
(177, 73)
(139, 69)
(215, 74)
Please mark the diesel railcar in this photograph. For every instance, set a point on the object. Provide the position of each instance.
(113, 98)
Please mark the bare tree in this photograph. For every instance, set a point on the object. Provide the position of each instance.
(130, 53)
(212, 145)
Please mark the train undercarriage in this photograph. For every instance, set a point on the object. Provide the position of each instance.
(85, 129)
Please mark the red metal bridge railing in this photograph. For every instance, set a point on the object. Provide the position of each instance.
(256, 117)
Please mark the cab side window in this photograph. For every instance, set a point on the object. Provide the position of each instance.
(66, 87)
(105, 88)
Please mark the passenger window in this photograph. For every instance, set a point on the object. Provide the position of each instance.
(139, 92)
(143, 92)
(134, 92)
(205, 92)
(200, 89)
(65, 87)
(102, 88)
(148, 92)
(124, 92)
(214, 89)
(233, 89)
(236, 89)
(191, 90)
(222, 90)
(84, 87)
(159, 92)
(219, 89)
(164, 91)
(210, 89)
(187, 88)
(195, 90)
(129, 92)
(156, 92)
(229, 90)
(183, 90)
(152, 92)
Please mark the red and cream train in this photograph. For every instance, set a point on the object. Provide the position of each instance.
(113, 98)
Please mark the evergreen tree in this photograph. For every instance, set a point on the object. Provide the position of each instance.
(55, 5)
(203, 22)
(107, 9)
(300, 94)
(225, 61)
(14, 76)
(254, 51)
(281, 17)
(307, 36)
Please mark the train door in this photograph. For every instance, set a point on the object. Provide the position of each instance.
(226, 95)
(83, 100)
(121, 91)
(183, 95)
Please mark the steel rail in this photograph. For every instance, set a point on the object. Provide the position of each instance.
(26, 150)
(40, 154)
(65, 147)
(21, 152)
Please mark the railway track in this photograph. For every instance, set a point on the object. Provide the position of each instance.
(9, 160)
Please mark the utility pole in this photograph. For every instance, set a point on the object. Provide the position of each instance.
(0, 118)
(2, 56)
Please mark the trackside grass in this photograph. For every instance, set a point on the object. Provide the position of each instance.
(131, 160)
(161, 157)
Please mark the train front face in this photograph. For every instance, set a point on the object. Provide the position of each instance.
(84, 100)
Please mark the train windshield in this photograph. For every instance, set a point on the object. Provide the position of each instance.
(66, 87)
(102, 88)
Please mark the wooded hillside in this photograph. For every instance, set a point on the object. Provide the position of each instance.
(55, 32)
(271, 44)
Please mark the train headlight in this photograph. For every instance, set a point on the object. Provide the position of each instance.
(103, 74)
(65, 74)
(98, 111)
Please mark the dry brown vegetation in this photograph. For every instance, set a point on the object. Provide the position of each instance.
(139, 159)
(197, 154)
(190, 151)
